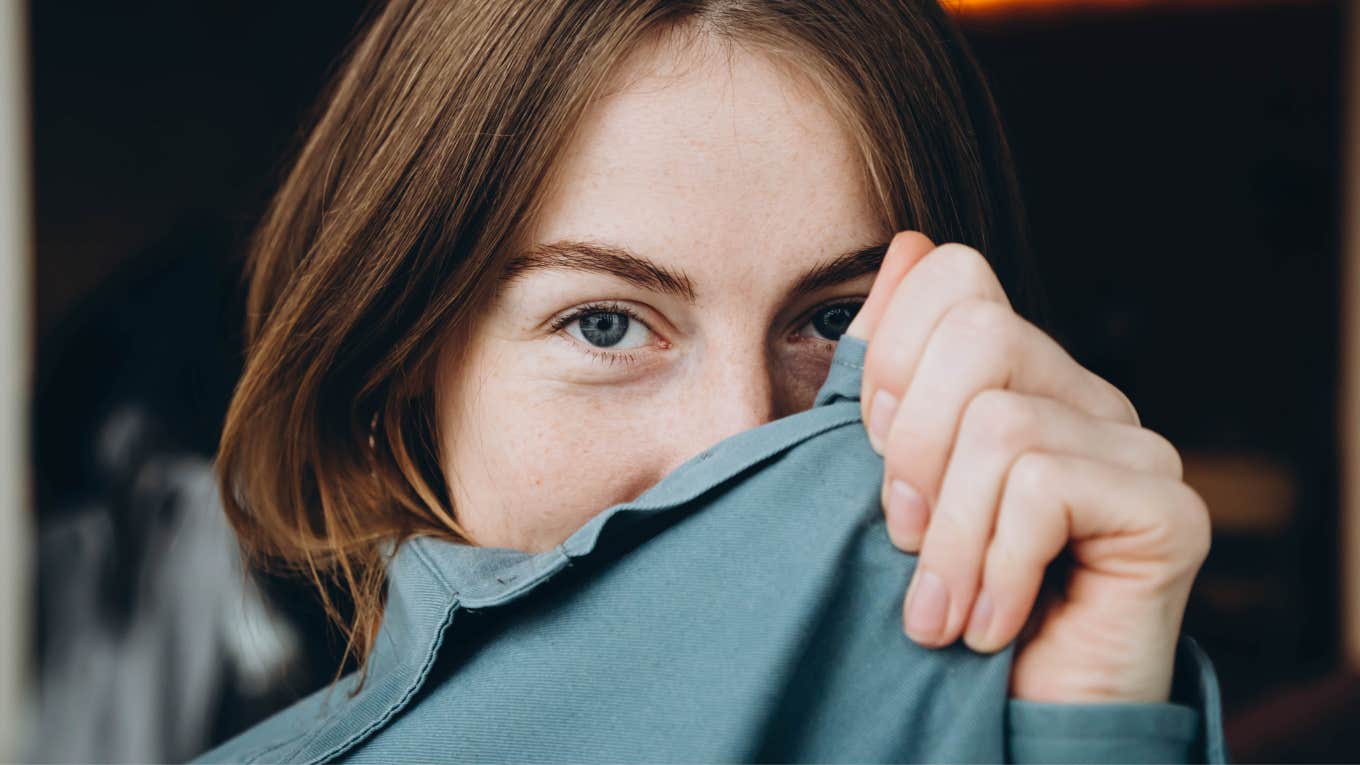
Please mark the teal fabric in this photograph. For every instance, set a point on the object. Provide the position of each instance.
(746, 608)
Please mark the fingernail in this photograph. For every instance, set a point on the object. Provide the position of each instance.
(928, 608)
(882, 410)
(981, 620)
(907, 516)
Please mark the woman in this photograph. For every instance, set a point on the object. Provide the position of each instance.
(537, 255)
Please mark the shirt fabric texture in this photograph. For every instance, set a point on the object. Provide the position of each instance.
(748, 607)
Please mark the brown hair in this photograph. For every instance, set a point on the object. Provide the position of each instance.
(398, 217)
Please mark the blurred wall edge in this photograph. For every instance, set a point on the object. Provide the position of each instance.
(1349, 388)
(15, 240)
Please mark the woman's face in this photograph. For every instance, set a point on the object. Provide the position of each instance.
(707, 240)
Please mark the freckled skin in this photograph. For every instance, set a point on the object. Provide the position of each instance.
(732, 172)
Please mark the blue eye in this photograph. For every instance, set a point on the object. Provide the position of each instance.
(830, 322)
(606, 327)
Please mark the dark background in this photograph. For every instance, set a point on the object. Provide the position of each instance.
(1181, 167)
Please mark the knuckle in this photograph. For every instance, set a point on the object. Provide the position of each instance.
(1196, 527)
(981, 320)
(964, 264)
(1128, 406)
(999, 419)
(1162, 457)
(1120, 405)
(1031, 478)
(1183, 533)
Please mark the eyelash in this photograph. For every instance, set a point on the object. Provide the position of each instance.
(607, 357)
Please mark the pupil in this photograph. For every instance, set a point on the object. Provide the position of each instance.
(832, 322)
(604, 329)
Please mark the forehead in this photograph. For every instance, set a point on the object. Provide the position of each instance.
(700, 151)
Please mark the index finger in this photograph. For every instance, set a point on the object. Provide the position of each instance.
(908, 313)
(904, 252)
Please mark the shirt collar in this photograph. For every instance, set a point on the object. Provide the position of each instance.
(847, 372)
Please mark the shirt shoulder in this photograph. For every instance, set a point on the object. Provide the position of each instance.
(264, 741)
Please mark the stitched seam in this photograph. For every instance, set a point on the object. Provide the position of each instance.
(848, 364)
(400, 703)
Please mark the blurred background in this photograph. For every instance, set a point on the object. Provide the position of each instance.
(1184, 163)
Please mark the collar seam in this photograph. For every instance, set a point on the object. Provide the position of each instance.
(421, 674)
(413, 685)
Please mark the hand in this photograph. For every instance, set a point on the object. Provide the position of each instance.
(1001, 453)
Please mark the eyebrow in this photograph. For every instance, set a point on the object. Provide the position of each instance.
(842, 268)
(601, 257)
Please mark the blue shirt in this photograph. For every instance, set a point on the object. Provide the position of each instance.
(747, 607)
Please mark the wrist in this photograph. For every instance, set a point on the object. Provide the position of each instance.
(1135, 664)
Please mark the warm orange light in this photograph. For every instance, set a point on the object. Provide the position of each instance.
(965, 6)
(991, 7)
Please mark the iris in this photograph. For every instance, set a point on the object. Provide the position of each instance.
(604, 329)
(832, 321)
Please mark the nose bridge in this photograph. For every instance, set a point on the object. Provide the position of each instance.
(735, 392)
